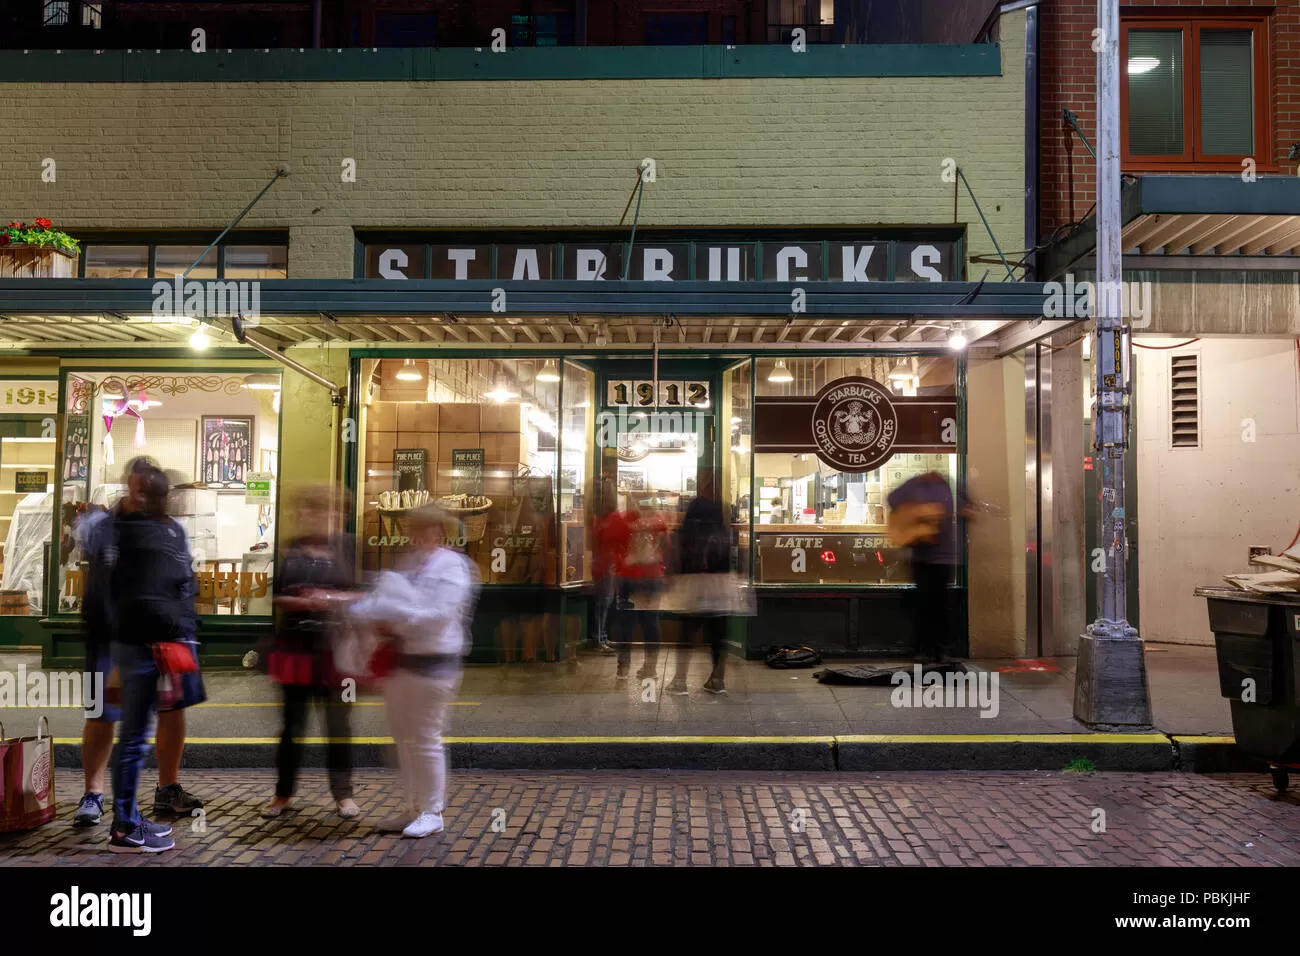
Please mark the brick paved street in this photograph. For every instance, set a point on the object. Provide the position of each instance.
(735, 819)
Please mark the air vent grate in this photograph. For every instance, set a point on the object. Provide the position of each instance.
(1185, 401)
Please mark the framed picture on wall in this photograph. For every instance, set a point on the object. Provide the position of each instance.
(226, 450)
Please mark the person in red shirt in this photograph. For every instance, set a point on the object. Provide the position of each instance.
(635, 540)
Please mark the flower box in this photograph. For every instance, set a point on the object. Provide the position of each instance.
(21, 261)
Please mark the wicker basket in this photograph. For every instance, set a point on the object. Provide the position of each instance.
(472, 520)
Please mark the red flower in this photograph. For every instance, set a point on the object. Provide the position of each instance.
(4, 238)
(44, 223)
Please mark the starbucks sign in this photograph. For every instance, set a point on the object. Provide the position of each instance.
(854, 424)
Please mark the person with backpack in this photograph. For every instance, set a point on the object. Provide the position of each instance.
(95, 539)
(151, 585)
(426, 610)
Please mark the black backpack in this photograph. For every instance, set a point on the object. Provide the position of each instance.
(788, 656)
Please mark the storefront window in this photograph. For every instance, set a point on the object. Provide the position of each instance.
(27, 468)
(256, 262)
(174, 260)
(737, 454)
(480, 437)
(829, 447)
(217, 437)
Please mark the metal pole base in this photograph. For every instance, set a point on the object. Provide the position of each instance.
(1110, 684)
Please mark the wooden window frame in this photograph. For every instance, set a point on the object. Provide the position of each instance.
(1193, 159)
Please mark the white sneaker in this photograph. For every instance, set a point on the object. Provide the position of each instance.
(423, 825)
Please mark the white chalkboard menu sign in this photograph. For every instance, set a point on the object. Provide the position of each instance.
(410, 468)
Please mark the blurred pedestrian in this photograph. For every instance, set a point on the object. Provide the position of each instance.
(151, 584)
(603, 556)
(923, 514)
(316, 578)
(636, 540)
(426, 609)
(94, 535)
(703, 550)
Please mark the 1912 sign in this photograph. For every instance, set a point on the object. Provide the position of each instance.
(672, 394)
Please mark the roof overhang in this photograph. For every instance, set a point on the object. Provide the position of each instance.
(67, 314)
(1171, 219)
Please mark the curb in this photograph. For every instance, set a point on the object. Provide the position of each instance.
(991, 752)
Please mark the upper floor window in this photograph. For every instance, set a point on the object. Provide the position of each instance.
(546, 29)
(139, 258)
(1195, 92)
(815, 17)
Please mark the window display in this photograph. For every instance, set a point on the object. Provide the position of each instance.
(831, 438)
(27, 472)
(482, 438)
(209, 432)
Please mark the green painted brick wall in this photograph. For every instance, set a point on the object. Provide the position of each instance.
(510, 154)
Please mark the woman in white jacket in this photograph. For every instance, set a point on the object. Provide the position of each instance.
(426, 608)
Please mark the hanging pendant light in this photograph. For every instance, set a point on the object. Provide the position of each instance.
(409, 372)
(549, 372)
(780, 373)
(902, 371)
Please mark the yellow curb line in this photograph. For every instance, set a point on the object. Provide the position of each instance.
(1004, 739)
(269, 703)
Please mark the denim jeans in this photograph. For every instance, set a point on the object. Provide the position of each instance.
(139, 675)
(604, 601)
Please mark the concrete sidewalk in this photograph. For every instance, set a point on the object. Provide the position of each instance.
(575, 714)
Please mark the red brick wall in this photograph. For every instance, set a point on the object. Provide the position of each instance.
(1068, 79)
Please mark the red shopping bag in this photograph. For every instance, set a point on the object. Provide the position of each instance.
(27, 780)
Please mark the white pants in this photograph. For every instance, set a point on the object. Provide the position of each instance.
(417, 709)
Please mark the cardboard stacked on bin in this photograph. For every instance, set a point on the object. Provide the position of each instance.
(1284, 578)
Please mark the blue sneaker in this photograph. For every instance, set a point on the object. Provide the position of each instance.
(156, 829)
(89, 811)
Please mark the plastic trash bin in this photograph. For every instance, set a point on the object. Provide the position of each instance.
(1257, 642)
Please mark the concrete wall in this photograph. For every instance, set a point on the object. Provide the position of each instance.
(996, 473)
(1202, 508)
(511, 154)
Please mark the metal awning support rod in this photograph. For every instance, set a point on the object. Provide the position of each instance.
(987, 228)
(282, 171)
(335, 392)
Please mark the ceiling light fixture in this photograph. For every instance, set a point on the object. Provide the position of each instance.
(549, 372)
(780, 373)
(200, 340)
(902, 371)
(409, 372)
(957, 340)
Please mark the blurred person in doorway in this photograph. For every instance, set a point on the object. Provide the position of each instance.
(95, 534)
(635, 539)
(316, 578)
(703, 558)
(151, 583)
(604, 559)
(923, 516)
(426, 609)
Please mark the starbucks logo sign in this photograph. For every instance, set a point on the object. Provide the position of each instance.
(854, 424)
